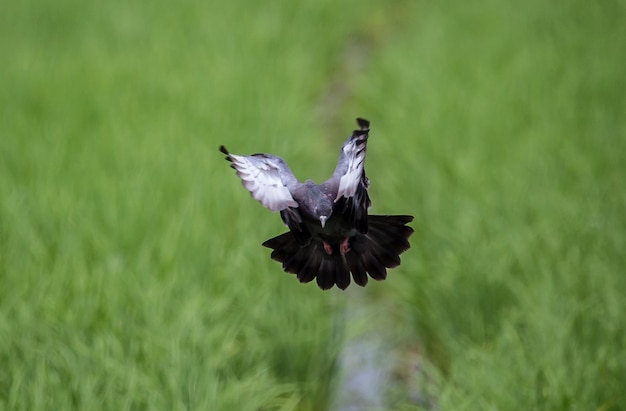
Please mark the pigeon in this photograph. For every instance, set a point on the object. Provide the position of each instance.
(330, 232)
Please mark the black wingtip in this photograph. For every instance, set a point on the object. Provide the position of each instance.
(364, 127)
(363, 123)
(225, 151)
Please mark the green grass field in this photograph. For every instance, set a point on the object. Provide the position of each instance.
(131, 271)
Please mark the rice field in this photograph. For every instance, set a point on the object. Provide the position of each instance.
(131, 270)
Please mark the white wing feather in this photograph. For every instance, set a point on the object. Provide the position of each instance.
(266, 177)
(352, 162)
(350, 181)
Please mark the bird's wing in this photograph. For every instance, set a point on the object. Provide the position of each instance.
(352, 198)
(350, 168)
(267, 177)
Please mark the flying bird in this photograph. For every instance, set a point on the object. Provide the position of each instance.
(330, 232)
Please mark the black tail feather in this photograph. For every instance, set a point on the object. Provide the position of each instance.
(374, 267)
(326, 274)
(310, 268)
(342, 272)
(370, 253)
(359, 273)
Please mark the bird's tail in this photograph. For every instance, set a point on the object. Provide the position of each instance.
(371, 253)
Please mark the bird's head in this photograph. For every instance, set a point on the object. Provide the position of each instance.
(323, 212)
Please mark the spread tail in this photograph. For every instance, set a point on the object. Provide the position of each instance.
(371, 253)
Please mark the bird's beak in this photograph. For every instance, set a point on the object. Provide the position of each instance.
(323, 220)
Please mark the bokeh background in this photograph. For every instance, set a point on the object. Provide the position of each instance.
(131, 271)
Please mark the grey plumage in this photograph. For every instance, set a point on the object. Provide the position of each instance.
(330, 233)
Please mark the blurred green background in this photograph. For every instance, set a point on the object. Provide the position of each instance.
(131, 271)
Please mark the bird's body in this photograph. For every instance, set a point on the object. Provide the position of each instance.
(334, 230)
(330, 233)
